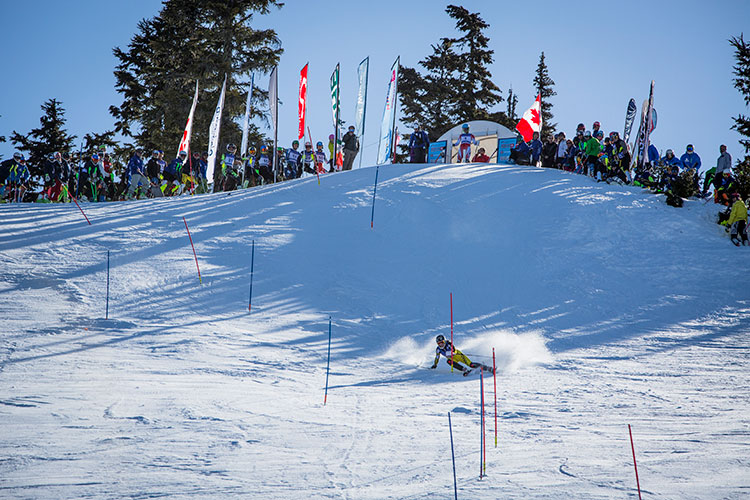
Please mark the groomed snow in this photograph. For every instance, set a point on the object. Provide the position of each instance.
(605, 308)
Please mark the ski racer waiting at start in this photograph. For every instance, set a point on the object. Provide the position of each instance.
(464, 143)
(453, 356)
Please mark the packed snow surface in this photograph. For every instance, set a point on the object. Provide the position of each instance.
(604, 307)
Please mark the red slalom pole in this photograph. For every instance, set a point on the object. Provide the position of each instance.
(632, 447)
(194, 254)
(451, 332)
(494, 376)
(79, 208)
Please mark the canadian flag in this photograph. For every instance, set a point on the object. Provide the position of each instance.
(532, 120)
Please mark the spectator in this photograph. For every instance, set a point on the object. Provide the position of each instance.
(737, 223)
(570, 156)
(481, 157)
(520, 153)
(351, 147)
(723, 164)
(595, 130)
(591, 149)
(418, 145)
(549, 153)
(536, 148)
(153, 168)
(562, 150)
(670, 159)
(690, 159)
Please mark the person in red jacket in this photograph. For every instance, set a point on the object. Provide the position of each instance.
(481, 157)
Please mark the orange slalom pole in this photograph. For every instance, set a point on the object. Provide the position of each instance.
(200, 280)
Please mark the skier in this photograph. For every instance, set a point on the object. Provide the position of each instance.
(265, 165)
(595, 129)
(723, 164)
(320, 158)
(620, 156)
(464, 142)
(737, 223)
(250, 174)
(292, 159)
(173, 174)
(351, 147)
(153, 168)
(306, 160)
(137, 174)
(227, 161)
(15, 175)
(418, 144)
(453, 356)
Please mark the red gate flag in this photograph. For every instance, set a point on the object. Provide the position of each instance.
(532, 120)
(302, 101)
(185, 142)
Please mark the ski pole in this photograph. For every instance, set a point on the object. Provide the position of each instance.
(451, 332)
(328, 364)
(453, 457)
(252, 264)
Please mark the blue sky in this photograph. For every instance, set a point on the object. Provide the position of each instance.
(599, 55)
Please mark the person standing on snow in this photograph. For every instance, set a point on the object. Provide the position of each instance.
(351, 147)
(453, 357)
(464, 143)
(737, 223)
(418, 144)
(723, 164)
(292, 160)
(536, 149)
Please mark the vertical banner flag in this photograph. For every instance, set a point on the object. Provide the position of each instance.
(335, 97)
(302, 101)
(532, 120)
(185, 142)
(213, 133)
(273, 99)
(385, 145)
(649, 120)
(246, 118)
(359, 114)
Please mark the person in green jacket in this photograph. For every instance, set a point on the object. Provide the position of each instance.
(592, 149)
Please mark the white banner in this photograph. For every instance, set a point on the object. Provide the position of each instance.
(359, 115)
(246, 118)
(185, 142)
(213, 133)
(385, 145)
(273, 94)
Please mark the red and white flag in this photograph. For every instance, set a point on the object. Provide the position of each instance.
(302, 102)
(531, 121)
(185, 142)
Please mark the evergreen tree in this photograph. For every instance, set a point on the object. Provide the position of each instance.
(50, 137)
(193, 40)
(742, 83)
(457, 86)
(510, 112)
(476, 93)
(543, 84)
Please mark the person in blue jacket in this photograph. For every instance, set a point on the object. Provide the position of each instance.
(137, 173)
(691, 160)
(536, 148)
(653, 155)
(670, 159)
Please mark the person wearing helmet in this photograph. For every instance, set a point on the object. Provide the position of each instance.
(351, 147)
(464, 142)
(306, 161)
(226, 162)
(737, 223)
(292, 161)
(320, 159)
(50, 168)
(620, 158)
(723, 164)
(137, 173)
(153, 168)
(419, 144)
(455, 358)
(591, 150)
(670, 159)
(11, 177)
(595, 129)
(250, 173)
(265, 166)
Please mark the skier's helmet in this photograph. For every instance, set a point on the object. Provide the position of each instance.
(597, 125)
(156, 152)
(295, 143)
(599, 134)
(670, 153)
(580, 127)
(95, 157)
(331, 137)
(252, 150)
(615, 134)
(319, 145)
(231, 147)
(183, 154)
(587, 134)
(439, 339)
(351, 128)
(465, 126)
(689, 148)
(52, 156)
(308, 144)
(264, 149)
(17, 156)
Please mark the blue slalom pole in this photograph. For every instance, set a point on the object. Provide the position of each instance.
(328, 365)
(252, 265)
(453, 456)
(375, 190)
(106, 314)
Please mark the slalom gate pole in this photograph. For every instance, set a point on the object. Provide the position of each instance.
(484, 422)
(328, 364)
(106, 314)
(481, 427)
(453, 457)
(632, 447)
(252, 265)
(79, 208)
(494, 376)
(315, 165)
(451, 332)
(375, 190)
(200, 280)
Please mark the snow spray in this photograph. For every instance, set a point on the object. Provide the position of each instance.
(494, 376)
(328, 364)
(453, 457)
(632, 447)
(252, 265)
(106, 314)
(375, 190)
(194, 254)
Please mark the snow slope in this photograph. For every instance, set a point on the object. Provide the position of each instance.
(605, 308)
